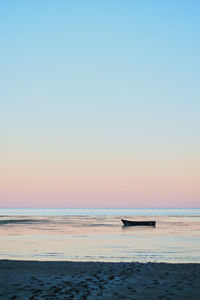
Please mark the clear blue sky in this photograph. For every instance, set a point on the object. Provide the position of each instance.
(114, 80)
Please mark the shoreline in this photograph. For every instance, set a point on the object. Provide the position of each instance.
(23, 279)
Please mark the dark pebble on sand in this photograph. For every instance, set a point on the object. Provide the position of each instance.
(57, 290)
(37, 291)
(68, 282)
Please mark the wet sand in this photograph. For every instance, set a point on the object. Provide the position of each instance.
(97, 280)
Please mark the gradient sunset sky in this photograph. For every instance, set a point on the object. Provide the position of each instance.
(100, 103)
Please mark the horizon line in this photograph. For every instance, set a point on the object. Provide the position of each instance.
(99, 207)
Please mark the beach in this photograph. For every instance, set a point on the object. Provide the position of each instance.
(88, 254)
(98, 280)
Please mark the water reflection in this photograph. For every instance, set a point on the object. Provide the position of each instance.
(174, 239)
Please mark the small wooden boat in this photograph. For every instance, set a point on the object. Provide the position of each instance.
(138, 223)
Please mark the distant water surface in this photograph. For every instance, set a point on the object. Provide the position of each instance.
(98, 235)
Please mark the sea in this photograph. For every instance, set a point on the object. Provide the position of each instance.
(98, 235)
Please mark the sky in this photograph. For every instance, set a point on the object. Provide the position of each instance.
(100, 104)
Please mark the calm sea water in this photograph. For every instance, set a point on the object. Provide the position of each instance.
(98, 235)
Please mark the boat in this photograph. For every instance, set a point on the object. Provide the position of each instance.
(138, 223)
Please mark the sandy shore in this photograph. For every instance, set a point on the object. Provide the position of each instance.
(96, 280)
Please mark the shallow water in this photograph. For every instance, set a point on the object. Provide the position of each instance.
(98, 235)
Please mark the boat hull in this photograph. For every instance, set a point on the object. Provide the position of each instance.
(138, 223)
